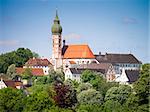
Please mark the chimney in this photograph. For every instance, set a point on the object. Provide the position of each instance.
(64, 41)
(99, 53)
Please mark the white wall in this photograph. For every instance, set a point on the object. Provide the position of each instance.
(2, 84)
(69, 75)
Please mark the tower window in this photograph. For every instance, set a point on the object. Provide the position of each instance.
(59, 40)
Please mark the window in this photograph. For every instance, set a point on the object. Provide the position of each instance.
(59, 41)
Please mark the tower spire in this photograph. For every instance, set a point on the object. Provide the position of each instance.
(56, 28)
(56, 17)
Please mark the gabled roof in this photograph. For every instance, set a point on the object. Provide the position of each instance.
(80, 70)
(132, 75)
(10, 83)
(78, 52)
(13, 84)
(118, 58)
(104, 66)
(37, 62)
(35, 71)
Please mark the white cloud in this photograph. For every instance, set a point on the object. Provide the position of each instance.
(9, 42)
(129, 20)
(72, 36)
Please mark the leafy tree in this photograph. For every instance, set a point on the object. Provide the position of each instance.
(84, 86)
(89, 108)
(55, 76)
(38, 102)
(71, 83)
(87, 76)
(132, 102)
(90, 96)
(97, 81)
(142, 87)
(11, 71)
(11, 100)
(119, 94)
(36, 55)
(65, 96)
(140, 98)
(18, 57)
(23, 55)
(58, 109)
(36, 88)
(114, 106)
(27, 74)
(42, 80)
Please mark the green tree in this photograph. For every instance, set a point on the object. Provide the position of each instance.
(23, 55)
(98, 81)
(140, 98)
(87, 76)
(89, 108)
(27, 74)
(36, 55)
(90, 96)
(114, 106)
(84, 86)
(11, 71)
(119, 94)
(11, 100)
(18, 57)
(38, 102)
(142, 87)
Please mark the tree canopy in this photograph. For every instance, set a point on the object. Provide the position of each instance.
(18, 57)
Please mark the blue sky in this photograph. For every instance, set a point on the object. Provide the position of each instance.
(113, 26)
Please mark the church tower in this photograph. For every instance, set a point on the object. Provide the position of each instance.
(57, 44)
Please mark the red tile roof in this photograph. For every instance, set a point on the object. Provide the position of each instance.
(35, 71)
(10, 83)
(37, 62)
(72, 62)
(13, 84)
(78, 51)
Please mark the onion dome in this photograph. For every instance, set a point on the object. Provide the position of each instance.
(56, 28)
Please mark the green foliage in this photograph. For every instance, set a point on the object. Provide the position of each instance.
(132, 102)
(58, 109)
(142, 87)
(89, 108)
(52, 94)
(114, 106)
(97, 81)
(119, 94)
(37, 88)
(18, 57)
(11, 100)
(90, 96)
(72, 83)
(87, 76)
(56, 76)
(36, 55)
(139, 100)
(27, 74)
(43, 80)
(84, 86)
(11, 71)
(38, 102)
